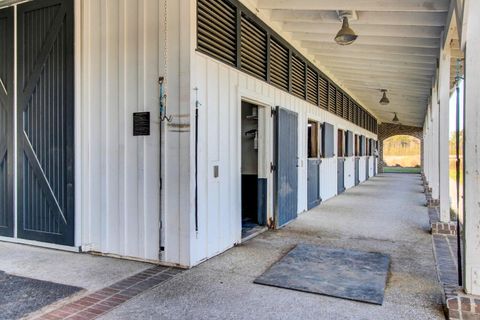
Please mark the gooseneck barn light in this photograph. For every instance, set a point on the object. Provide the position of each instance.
(395, 118)
(346, 35)
(384, 101)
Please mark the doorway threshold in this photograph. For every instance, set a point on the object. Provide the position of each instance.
(252, 233)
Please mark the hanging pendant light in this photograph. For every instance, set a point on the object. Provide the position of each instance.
(384, 101)
(395, 118)
(346, 35)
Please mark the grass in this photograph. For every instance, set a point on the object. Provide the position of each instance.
(402, 161)
(401, 170)
(453, 171)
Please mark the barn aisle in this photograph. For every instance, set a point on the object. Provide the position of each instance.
(385, 214)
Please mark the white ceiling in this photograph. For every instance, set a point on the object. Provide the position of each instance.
(397, 47)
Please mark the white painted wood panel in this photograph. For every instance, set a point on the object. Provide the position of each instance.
(349, 172)
(120, 54)
(363, 166)
(219, 134)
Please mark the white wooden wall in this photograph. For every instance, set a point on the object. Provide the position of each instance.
(220, 91)
(362, 171)
(119, 58)
(349, 172)
(371, 164)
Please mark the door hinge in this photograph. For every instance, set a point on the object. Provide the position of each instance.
(161, 184)
(274, 112)
(273, 167)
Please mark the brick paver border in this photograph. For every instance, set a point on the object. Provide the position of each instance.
(104, 300)
(457, 304)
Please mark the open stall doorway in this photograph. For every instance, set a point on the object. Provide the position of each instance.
(254, 181)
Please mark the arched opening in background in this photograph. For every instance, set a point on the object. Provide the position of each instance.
(401, 153)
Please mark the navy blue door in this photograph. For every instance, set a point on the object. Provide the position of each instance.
(45, 121)
(313, 183)
(6, 122)
(357, 171)
(286, 184)
(367, 168)
(340, 175)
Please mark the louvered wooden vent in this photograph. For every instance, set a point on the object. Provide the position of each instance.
(339, 105)
(350, 111)
(357, 115)
(323, 92)
(232, 34)
(332, 97)
(312, 86)
(278, 64)
(217, 34)
(298, 77)
(253, 49)
(345, 107)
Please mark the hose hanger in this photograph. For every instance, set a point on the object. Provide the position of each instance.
(163, 101)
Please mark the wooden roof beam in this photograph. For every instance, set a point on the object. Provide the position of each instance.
(366, 30)
(429, 19)
(317, 46)
(378, 57)
(363, 5)
(372, 40)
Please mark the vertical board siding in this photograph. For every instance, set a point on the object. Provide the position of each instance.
(349, 172)
(340, 175)
(362, 172)
(287, 163)
(45, 121)
(219, 91)
(313, 181)
(120, 172)
(6, 121)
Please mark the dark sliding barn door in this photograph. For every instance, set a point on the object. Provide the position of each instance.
(340, 176)
(313, 183)
(286, 183)
(357, 171)
(6, 122)
(45, 121)
(367, 168)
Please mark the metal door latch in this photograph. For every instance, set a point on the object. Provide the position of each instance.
(273, 167)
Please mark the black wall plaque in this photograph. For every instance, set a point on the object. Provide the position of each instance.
(141, 124)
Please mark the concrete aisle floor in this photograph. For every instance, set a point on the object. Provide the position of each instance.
(80, 270)
(385, 214)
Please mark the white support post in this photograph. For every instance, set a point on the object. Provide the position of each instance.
(427, 145)
(472, 152)
(424, 153)
(434, 143)
(444, 124)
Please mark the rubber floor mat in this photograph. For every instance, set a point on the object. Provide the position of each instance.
(348, 274)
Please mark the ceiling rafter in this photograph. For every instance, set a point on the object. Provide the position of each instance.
(372, 40)
(361, 5)
(397, 18)
(366, 30)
